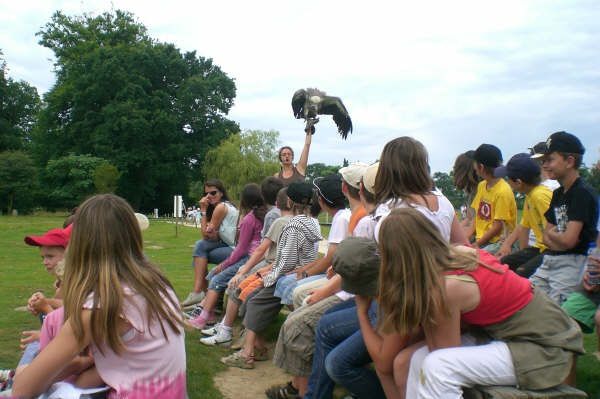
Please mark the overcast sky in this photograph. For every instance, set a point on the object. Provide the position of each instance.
(451, 74)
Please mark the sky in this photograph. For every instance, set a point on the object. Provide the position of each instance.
(451, 74)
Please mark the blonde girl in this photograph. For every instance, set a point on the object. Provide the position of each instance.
(120, 305)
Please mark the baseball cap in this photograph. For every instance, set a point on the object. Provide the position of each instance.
(520, 166)
(356, 260)
(564, 142)
(329, 188)
(353, 173)
(488, 155)
(538, 150)
(369, 177)
(300, 192)
(52, 238)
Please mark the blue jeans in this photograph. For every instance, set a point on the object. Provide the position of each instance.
(219, 281)
(340, 356)
(288, 283)
(216, 251)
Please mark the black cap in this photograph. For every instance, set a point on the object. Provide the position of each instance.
(488, 155)
(329, 188)
(356, 260)
(520, 166)
(564, 142)
(538, 150)
(300, 192)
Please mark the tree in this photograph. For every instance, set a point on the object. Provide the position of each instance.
(445, 183)
(142, 105)
(320, 170)
(70, 180)
(18, 181)
(243, 158)
(19, 105)
(106, 178)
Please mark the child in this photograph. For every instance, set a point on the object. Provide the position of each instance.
(254, 207)
(524, 177)
(466, 180)
(118, 303)
(494, 204)
(442, 288)
(571, 219)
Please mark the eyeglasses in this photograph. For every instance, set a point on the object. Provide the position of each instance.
(214, 192)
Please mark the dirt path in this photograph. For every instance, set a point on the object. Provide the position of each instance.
(237, 383)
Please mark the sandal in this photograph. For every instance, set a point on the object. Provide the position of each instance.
(237, 359)
(261, 354)
(286, 391)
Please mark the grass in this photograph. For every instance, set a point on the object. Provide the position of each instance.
(22, 274)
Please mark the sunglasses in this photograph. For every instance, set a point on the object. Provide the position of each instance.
(214, 192)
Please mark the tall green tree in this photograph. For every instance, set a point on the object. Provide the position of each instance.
(18, 181)
(319, 169)
(242, 158)
(150, 110)
(19, 106)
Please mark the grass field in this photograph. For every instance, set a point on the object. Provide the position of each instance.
(22, 273)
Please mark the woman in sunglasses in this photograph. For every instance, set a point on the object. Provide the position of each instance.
(218, 224)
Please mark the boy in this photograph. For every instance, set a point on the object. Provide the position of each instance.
(494, 203)
(571, 219)
(524, 177)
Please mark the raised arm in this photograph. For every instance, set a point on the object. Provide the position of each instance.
(303, 161)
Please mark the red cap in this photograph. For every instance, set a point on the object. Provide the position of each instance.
(52, 238)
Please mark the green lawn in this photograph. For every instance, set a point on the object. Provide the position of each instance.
(22, 273)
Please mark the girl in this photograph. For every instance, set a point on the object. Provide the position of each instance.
(218, 224)
(466, 180)
(255, 208)
(120, 305)
(425, 284)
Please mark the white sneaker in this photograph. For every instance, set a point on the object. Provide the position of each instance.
(222, 338)
(214, 330)
(193, 298)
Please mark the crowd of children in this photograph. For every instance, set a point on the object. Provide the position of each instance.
(411, 299)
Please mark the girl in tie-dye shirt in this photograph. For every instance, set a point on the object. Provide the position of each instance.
(118, 304)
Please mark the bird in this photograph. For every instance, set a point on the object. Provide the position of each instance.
(308, 103)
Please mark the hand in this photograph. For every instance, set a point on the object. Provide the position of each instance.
(315, 296)
(586, 283)
(204, 202)
(28, 337)
(363, 304)
(235, 281)
(218, 269)
(30, 303)
(40, 304)
(503, 251)
(330, 273)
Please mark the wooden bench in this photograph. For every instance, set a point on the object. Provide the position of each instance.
(498, 392)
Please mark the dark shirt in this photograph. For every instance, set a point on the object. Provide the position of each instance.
(579, 203)
(296, 176)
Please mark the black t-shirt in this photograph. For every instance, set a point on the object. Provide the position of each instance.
(579, 203)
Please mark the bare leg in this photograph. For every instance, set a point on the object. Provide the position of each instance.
(401, 367)
(210, 300)
(301, 384)
(251, 338)
(572, 377)
(231, 312)
(200, 271)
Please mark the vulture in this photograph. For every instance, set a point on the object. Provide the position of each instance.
(309, 103)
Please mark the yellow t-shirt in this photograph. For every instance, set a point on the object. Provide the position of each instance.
(537, 202)
(497, 203)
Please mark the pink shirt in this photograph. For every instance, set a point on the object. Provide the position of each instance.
(151, 366)
(248, 239)
(52, 324)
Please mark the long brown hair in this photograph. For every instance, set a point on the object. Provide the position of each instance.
(403, 170)
(463, 173)
(411, 284)
(105, 254)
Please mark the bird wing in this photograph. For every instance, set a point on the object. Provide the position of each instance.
(298, 101)
(334, 106)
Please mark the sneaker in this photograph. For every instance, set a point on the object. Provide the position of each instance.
(237, 359)
(221, 338)
(201, 322)
(285, 391)
(193, 312)
(193, 298)
(210, 331)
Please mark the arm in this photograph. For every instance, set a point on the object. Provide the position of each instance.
(288, 257)
(89, 379)
(303, 161)
(248, 228)
(506, 247)
(212, 227)
(493, 231)
(382, 348)
(257, 256)
(38, 376)
(457, 233)
(562, 241)
(331, 287)
(320, 265)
